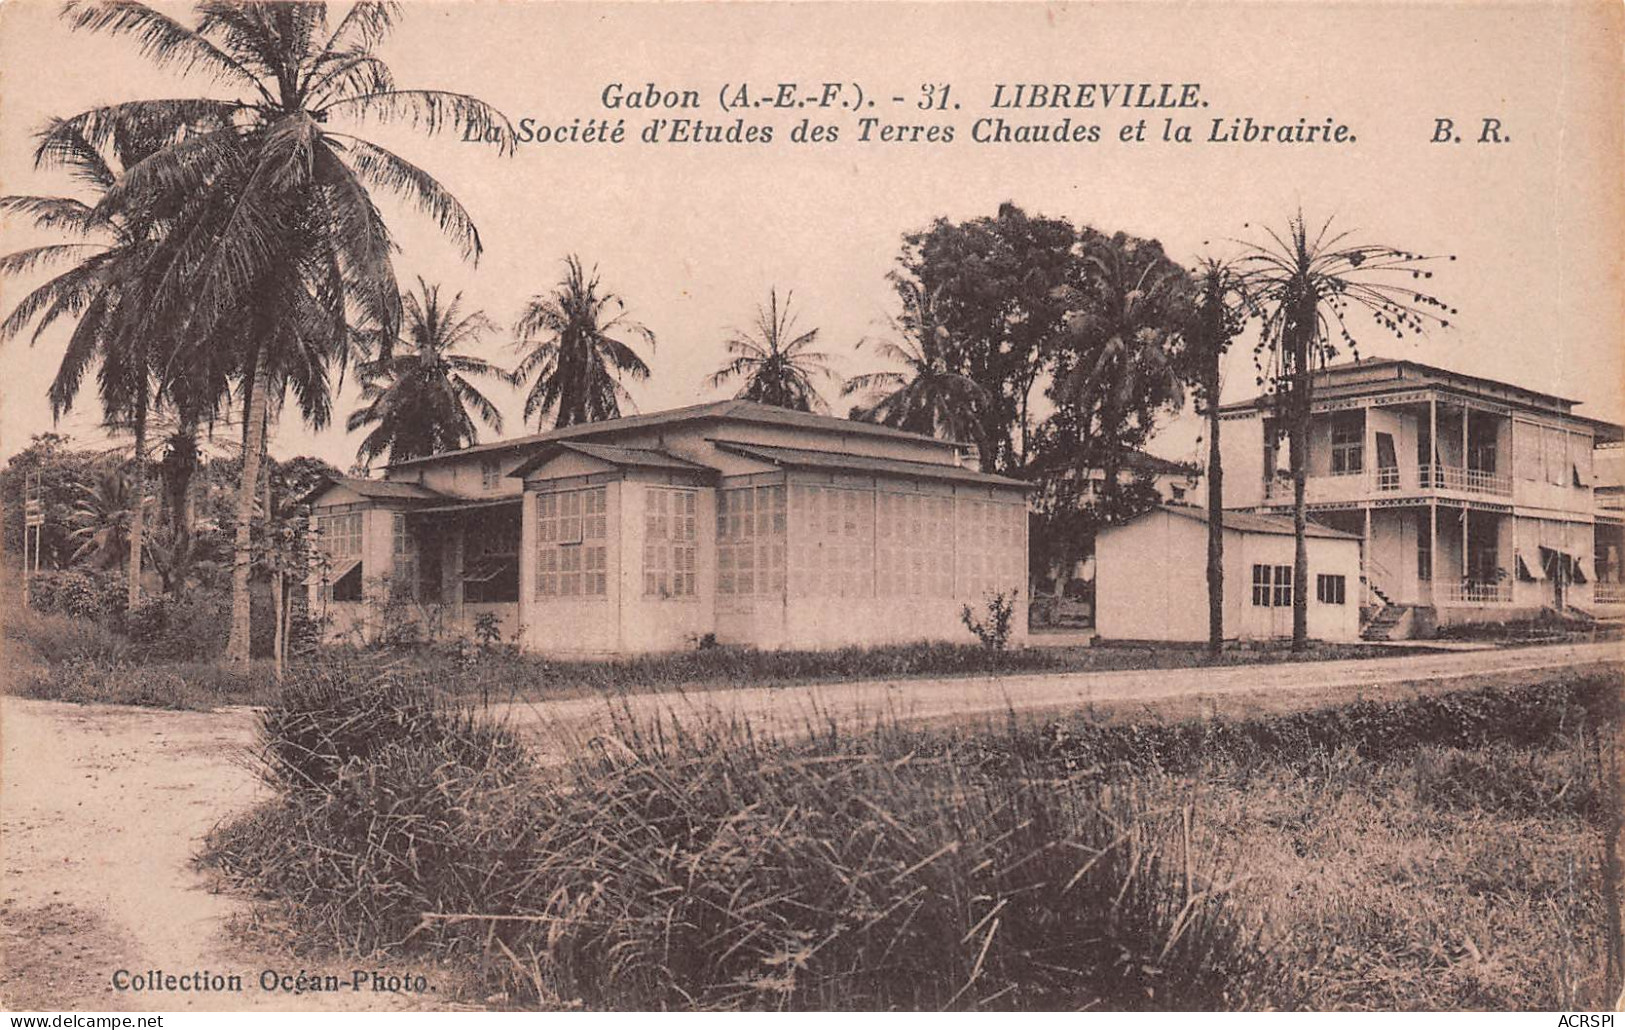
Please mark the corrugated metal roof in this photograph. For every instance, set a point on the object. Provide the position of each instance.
(742, 411)
(626, 457)
(795, 457)
(1249, 522)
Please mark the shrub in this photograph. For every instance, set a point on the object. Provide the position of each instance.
(78, 593)
(993, 629)
(190, 628)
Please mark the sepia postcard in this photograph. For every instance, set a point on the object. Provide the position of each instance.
(811, 506)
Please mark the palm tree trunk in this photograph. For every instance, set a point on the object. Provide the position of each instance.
(1215, 515)
(278, 638)
(138, 518)
(1298, 435)
(242, 558)
(179, 467)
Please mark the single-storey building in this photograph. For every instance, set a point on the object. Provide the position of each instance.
(731, 521)
(1151, 578)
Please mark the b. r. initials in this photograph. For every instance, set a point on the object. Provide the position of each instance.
(1490, 131)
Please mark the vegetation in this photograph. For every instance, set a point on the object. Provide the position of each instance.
(572, 346)
(1118, 369)
(931, 395)
(1217, 315)
(417, 399)
(1302, 288)
(777, 364)
(996, 287)
(1202, 865)
(261, 246)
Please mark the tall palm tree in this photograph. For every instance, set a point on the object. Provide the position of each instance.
(418, 399)
(1129, 304)
(570, 341)
(1303, 288)
(777, 364)
(1217, 316)
(106, 252)
(281, 246)
(929, 394)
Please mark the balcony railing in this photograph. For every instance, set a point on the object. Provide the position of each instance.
(1392, 481)
(1473, 593)
(1465, 480)
(1608, 593)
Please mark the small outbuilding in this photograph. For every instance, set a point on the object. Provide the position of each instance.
(1151, 578)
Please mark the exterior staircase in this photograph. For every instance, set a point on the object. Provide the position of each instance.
(1387, 623)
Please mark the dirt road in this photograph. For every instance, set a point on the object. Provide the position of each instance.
(560, 725)
(101, 810)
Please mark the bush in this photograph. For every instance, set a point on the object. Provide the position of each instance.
(78, 593)
(993, 628)
(190, 628)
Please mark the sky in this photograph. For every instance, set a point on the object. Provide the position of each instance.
(694, 237)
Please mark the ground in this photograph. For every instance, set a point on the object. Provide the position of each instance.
(103, 807)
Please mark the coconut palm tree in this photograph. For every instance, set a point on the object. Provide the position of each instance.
(1304, 286)
(1118, 363)
(778, 365)
(106, 253)
(281, 247)
(570, 339)
(929, 394)
(1217, 316)
(419, 398)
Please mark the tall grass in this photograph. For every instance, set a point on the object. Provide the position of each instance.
(670, 868)
(56, 657)
(1357, 857)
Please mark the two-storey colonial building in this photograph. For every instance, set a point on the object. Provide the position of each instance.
(1473, 498)
(735, 521)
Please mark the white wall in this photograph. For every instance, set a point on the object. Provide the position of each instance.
(1151, 582)
(1241, 448)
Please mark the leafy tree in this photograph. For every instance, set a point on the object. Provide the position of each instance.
(1217, 316)
(571, 345)
(1304, 286)
(1117, 368)
(418, 398)
(777, 364)
(64, 471)
(994, 286)
(280, 246)
(928, 395)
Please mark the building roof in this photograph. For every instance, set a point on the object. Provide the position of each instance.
(796, 457)
(1501, 391)
(624, 457)
(1141, 461)
(378, 489)
(1248, 522)
(731, 410)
